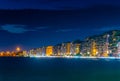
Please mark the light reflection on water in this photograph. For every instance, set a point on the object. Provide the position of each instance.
(59, 69)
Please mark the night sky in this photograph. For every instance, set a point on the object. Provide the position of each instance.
(35, 23)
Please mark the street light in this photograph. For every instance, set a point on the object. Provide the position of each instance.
(18, 49)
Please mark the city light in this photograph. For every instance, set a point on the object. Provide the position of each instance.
(18, 49)
(92, 48)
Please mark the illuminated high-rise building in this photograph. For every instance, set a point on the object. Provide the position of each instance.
(94, 50)
(58, 50)
(72, 48)
(25, 53)
(106, 49)
(63, 49)
(77, 48)
(32, 52)
(68, 46)
(39, 51)
(43, 51)
(118, 49)
(49, 50)
(55, 50)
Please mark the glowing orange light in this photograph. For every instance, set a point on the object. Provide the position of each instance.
(7, 52)
(18, 49)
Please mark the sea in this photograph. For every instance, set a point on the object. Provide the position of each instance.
(59, 69)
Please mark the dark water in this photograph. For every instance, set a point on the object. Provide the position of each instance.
(58, 69)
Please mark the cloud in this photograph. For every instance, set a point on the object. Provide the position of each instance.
(14, 28)
(41, 28)
(67, 30)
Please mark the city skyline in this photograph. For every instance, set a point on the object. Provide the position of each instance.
(103, 45)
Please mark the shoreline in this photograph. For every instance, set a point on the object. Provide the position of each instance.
(81, 57)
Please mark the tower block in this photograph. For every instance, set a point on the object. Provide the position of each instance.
(94, 50)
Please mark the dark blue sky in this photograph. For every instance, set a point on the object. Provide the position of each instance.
(53, 4)
(34, 23)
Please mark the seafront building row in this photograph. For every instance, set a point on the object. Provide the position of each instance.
(68, 49)
(104, 45)
(64, 49)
